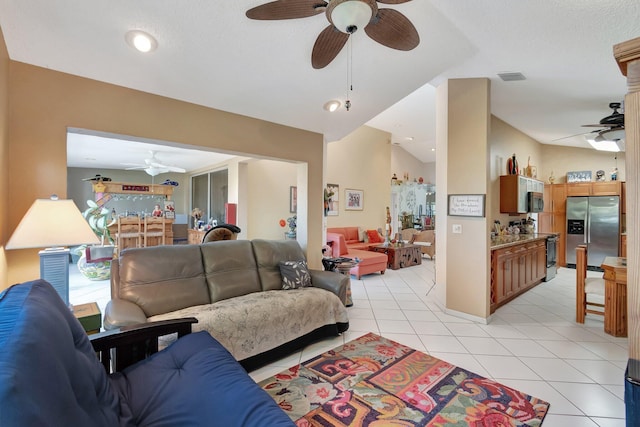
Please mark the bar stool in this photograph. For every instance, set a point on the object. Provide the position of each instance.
(153, 228)
(129, 229)
(586, 285)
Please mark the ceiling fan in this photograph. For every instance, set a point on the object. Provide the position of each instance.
(386, 26)
(610, 132)
(153, 166)
(611, 135)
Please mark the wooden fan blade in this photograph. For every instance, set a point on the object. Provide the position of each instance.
(393, 1)
(287, 9)
(327, 46)
(392, 29)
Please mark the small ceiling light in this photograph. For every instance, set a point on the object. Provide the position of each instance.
(433, 149)
(141, 41)
(332, 105)
(409, 138)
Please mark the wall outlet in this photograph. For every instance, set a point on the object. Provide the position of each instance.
(456, 228)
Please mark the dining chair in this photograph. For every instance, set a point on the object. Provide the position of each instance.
(587, 286)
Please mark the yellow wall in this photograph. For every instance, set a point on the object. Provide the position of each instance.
(561, 160)
(506, 140)
(463, 123)
(361, 161)
(44, 103)
(402, 162)
(4, 157)
(268, 185)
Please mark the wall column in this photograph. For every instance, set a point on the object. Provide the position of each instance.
(627, 55)
(463, 117)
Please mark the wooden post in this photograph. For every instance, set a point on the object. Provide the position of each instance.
(627, 55)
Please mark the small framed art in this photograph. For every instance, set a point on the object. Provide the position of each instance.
(354, 200)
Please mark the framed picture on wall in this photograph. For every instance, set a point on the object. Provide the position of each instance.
(293, 199)
(354, 200)
(331, 199)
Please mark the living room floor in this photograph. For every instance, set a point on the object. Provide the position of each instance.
(532, 344)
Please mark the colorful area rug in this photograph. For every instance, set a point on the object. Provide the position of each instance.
(373, 381)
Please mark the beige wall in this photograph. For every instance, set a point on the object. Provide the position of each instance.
(561, 160)
(268, 186)
(361, 161)
(44, 103)
(4, 157)
(402, 161)
(506, 140)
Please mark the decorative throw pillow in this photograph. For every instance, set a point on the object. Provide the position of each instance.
(374, 237)
(295, 274)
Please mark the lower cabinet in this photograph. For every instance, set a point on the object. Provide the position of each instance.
(515, 269)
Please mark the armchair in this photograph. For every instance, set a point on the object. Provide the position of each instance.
(426, 239)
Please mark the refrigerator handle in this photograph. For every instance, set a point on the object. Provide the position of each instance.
(588, 235)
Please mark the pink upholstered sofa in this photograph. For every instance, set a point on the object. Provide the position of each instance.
(345, 242)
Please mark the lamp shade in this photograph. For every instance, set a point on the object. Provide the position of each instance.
(51, 223)
(351, 15)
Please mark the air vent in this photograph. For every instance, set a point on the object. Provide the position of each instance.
(512, 77)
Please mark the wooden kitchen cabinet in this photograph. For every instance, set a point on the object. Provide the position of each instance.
(606, 188)
(553, 219)
(514, 192)
(623, 245)
(516, 269)
(579, 189)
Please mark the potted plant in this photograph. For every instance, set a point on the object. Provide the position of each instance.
(98, 266)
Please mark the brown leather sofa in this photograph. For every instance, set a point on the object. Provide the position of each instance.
(234, 289)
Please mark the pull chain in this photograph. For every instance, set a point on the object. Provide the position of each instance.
(347, 103)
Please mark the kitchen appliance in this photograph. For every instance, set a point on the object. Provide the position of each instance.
(552, 245)
(535, 201)
(593, 221)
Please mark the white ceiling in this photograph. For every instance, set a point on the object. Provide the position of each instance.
(210, 54)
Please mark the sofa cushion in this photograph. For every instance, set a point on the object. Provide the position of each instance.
(373, 236)
(49, 374)
(159, 287)
(268, 254)
(352, 234)
(295, 274)
(254, 323)
(230, 269)
(195, 382)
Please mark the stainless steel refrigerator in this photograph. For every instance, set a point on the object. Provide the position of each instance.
(594, 221)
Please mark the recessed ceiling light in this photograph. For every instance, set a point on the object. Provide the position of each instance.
(141, 41)
(433, 149)
(409, 138)
(332, 105)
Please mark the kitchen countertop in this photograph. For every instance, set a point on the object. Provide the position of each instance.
(515, 239)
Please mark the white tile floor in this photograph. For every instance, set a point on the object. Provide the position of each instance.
(532, 344)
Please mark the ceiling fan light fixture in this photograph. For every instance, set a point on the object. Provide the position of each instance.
(141, 41)
(350, 15)
(332, 105)
(603, 144)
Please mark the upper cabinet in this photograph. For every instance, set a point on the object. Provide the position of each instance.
(514, 191)
(598, 188)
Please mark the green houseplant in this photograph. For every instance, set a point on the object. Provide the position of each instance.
(98, 219)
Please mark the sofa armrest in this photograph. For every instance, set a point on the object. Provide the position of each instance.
(119, 313)
(133, 343)
(332, 282)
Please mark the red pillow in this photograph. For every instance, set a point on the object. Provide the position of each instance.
(373, 236)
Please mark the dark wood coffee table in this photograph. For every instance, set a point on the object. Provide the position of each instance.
(400, 256)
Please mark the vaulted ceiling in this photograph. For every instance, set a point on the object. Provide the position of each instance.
(211, 54)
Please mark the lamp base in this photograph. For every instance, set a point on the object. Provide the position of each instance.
(54, 268)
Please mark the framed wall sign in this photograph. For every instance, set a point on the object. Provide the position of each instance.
(466, 205)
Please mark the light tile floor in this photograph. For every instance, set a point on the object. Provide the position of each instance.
(532, 343)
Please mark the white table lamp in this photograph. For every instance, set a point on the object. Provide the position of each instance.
(52, 224)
